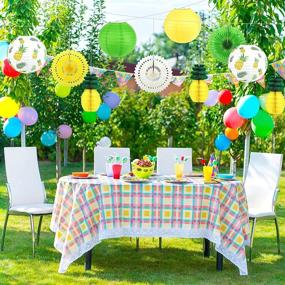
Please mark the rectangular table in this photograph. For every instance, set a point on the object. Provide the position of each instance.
(88, 211)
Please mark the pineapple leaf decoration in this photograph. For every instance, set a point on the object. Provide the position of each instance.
(275, 83)
(199, 72)
(91, 82)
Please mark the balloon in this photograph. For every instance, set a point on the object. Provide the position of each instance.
(262, 124)
(104, 112)
(232, 119)
(48, 138)
(248, 106)
(111, 99)
(222, 142)
(231, 134)
(212, 98)
(262, 101)
(104, 142)
(8, 107)
(8, 70)
(28, 116)
(12, 127)
(89, 117)
(225, 97)
(64, 131)
(62, 90)
(4, 45)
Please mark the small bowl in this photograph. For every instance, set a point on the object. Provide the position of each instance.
(80, 174)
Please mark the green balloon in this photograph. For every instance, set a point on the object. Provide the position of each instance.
(62, 91)
(89, 117)
(262, 124)
(117, 39)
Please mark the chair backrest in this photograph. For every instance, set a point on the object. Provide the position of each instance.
(101, 154)
(166, 160)
(23, 176)
(262, 179)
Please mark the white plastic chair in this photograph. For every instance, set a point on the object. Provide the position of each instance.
(166, 160)
(25, 188)
(261, 187)
(101, 154)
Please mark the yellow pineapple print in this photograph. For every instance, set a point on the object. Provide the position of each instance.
(35, 54)
(255, 64)
(239, 63)
(21, 40)
(242, 50)
(19, 54)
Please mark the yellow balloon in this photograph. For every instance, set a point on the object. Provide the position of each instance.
(182, 25)
(199, 91)
(90, 100)
(275, 103)
(8, 107)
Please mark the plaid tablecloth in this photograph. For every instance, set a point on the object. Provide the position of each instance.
(88, 211)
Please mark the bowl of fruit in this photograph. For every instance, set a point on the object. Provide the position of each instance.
(143, 168)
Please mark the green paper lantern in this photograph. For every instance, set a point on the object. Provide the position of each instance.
(89, 117)
(223, 41)
(62, 91)
(117, 39)
(262, 124)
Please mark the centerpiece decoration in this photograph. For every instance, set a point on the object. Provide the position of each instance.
(198, 89)
(143, 168)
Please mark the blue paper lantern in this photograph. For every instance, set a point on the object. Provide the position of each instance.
(112, 99)
(222, 142)
(248, 106)
(104, 112)
(12, 127)
(4, 45)
(48, 138)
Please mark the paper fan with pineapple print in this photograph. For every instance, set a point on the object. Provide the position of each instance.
(69, 68)
(27, 54)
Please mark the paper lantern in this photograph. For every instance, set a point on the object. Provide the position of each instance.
(8, 70)
(49, 138)
(64, 132)
(4, 45)
(231, 134)
(232, 119)
(247, 63)
(8, 107)
(69, 68)
(62, 91)
(90, 100)
(182, 25)
(117, 39)
(28, 116)
(12, 127)
(262, 101)
(89, 117)
(248, 106)
(104, 112)
(27, 54)
(153, 74)
(212, 98)
(222, 142)
(223, 41)
(198, 89)
(225, 97)
(262, 124)
(111, 99)
(104, 142)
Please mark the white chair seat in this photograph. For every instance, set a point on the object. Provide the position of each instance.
(255, 213)
(34, 209)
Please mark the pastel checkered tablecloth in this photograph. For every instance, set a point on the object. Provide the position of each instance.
(88, 211)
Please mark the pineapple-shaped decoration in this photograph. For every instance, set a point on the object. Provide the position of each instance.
(198, 89)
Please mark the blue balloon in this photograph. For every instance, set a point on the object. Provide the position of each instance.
(12, 127)
(104, 112)
(248, 106)
(4, 45)
(222, 142)
(48, 138)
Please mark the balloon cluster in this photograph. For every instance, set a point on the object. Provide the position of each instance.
(49, 138)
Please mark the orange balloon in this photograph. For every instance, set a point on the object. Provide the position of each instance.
(231, 134)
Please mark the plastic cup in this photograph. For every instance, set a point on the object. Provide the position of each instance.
(179, 170)
(117, 170)
(109, 169)
(207, 172)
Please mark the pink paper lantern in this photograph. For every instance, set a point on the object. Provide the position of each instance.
(232, 119)
(28, 116)
(64, 131)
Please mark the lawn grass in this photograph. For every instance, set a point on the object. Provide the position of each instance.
(115, 261)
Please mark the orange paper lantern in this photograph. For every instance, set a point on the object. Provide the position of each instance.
(231, 134)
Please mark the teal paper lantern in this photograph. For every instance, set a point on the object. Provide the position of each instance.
(248, 106)
(104, 112)
(117, 39)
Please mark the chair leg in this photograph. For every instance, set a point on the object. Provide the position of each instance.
(251, 238)
(39, 229)
(277, 235)
(33, 233)
(4, 230)
(160, 242)
(137, 244)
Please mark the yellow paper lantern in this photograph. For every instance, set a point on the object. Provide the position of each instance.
(182, 25)
(275, 103)
(199, 91)
(8, 107)
(90, 100)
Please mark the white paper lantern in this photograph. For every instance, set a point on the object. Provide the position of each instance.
(247, 63)
(27, 54)
(153, 74)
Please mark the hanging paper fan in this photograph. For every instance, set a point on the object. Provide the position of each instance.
(223, 41)
(153, 74)
(69, 68)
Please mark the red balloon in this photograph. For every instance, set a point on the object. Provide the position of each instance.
(232, 119)
(8, 70)
(225, 97)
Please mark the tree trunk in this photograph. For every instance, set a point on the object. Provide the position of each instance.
(84, 159)
(58, 159)
(246, 153)
(170, 141)
(65, 153)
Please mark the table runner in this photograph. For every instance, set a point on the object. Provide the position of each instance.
(88, 211)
